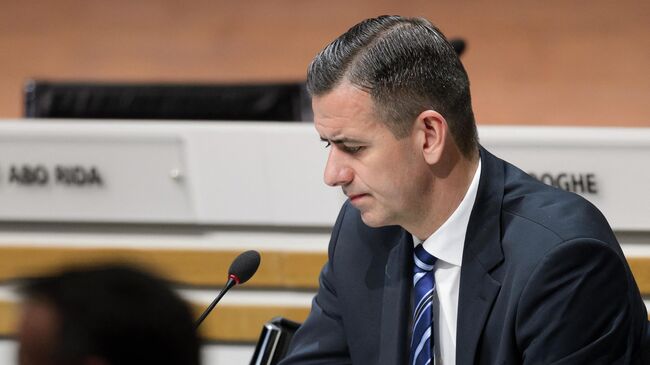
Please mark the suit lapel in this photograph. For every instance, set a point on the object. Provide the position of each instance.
(482, 253)
(475, 301)
(397, 291)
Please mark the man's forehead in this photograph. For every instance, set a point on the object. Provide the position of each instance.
(342, 111)
(341, 130)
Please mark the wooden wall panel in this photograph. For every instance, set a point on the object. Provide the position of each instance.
(199, 268)
(202, 268)
(530, 62)
(227, 323)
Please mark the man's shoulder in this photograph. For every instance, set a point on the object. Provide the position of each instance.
(564, 213)
(529, 205)
(548, 216)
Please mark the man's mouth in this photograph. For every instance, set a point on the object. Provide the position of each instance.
(354, 197)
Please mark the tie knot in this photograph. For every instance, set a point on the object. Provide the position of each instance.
(423, 260)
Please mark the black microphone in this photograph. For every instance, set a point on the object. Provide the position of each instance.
(241, 270)
(458, 44)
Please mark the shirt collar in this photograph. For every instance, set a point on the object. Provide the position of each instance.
(448, 241)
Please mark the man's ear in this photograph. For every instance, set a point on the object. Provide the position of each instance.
(432, 128)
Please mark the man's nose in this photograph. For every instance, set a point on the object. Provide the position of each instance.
(337, 172)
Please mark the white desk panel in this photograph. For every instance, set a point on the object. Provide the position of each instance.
(183, 173)
(270, 174)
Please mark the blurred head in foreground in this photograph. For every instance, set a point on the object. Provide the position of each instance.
(105, 315)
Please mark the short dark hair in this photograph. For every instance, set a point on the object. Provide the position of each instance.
(118, 313)
(407, 66)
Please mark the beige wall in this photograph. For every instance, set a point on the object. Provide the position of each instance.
(530, 62)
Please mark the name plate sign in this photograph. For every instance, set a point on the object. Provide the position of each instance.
(67, 175)
(93, 178)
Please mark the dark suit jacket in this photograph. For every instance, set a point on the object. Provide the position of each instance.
(543, 281)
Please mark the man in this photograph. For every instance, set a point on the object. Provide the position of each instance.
(106, 315)
(444, 253)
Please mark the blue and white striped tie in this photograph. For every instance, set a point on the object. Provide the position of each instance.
(424, 289)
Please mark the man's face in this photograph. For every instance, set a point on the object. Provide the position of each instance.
(382, 176)
(37, 334)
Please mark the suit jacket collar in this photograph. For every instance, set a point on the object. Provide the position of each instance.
(483, 253)
(483, 238)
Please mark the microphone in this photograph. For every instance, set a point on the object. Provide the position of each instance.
(241, 270)
(458, 44)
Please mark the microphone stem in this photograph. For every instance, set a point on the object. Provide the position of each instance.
(229, 284)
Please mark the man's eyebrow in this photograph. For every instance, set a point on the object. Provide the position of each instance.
(338, 140)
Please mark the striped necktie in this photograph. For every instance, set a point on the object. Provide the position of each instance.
(424, 289)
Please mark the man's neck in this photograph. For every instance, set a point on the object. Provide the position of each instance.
(445, 196)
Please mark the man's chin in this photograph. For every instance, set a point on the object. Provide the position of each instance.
(373, 221)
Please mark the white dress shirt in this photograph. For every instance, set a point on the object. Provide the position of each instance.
(447, 244)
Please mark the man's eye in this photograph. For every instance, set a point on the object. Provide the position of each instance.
(327, 144)
(352, 149)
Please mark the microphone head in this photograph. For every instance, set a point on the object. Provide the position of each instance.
(244, 266)
(458, 45)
